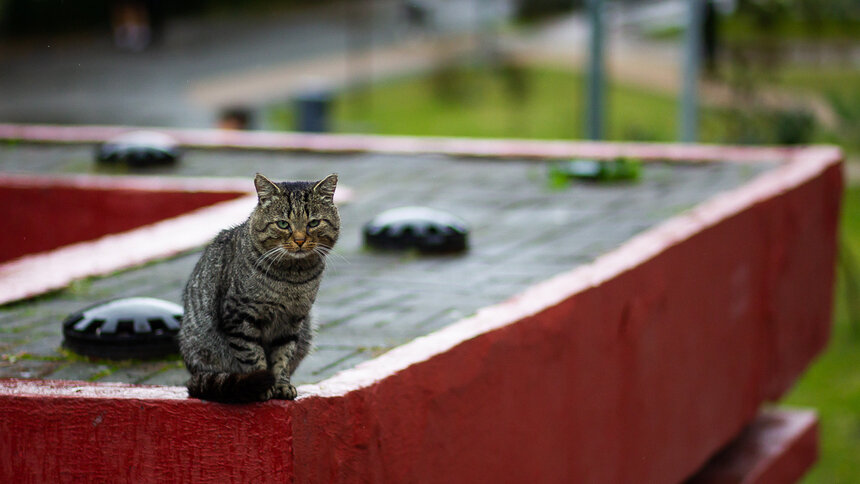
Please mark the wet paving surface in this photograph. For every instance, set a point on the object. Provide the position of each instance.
(523, 231)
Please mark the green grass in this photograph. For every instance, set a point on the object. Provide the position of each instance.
(840, 80)
(474, 102)
(832, 384)
(478, 102)
(668, 32)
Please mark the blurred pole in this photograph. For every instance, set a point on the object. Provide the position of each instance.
(693, 47)
(358, 17)
(484, 29)
(594, 100)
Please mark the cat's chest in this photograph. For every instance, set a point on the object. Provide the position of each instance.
(272, 304)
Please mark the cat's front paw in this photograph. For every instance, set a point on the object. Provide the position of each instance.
(281, 391)
(285, 391)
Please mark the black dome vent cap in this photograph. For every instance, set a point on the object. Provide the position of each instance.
(125, 328)
(424, 229)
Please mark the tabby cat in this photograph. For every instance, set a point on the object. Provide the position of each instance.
(247, 321)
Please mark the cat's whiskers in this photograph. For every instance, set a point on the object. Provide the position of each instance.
(274, 255)
(331, 262)
(277, 259)
(269, 253)
(326, 250)
(321, 251)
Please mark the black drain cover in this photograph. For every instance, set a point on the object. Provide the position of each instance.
(425, 229)
(139, 149)
(135, 327)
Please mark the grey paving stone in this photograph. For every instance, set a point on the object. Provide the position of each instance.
(27, 368)
(80, 371)
(136, 373)
(170, 377)
(42, 345)
(523, 232)
(325, 360)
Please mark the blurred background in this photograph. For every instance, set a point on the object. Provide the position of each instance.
(723, 71)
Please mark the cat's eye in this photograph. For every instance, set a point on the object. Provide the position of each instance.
(283, 224)
(313, 223)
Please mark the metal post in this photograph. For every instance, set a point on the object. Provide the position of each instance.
(359, 61)
(595, 102)
(689, 115)
(484, 28)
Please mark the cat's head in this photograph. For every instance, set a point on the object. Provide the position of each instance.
(295, 219)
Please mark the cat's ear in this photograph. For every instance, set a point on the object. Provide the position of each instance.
(325, 187)
(266, 189)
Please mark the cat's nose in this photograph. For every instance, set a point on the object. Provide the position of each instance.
(299, 239)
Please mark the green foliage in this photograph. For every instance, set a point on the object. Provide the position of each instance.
(793, 127)
(600, 171)
(755, 20)
(760, 126)
(748, 124)
(839, 87)
(532, 10)
(760, 42)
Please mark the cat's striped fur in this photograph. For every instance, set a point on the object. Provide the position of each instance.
(247, 321)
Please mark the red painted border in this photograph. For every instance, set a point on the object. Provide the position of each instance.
(38, 273)
(635, 368)
(56, 432)
(496, 148)
(779, 446)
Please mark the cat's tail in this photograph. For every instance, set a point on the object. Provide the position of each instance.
(230, 387)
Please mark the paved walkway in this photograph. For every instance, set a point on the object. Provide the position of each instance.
(88, 81)
(206, 65)
(522, 233)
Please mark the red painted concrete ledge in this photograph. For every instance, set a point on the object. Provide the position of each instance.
(62, 228)
(779, 446)
(638, 367)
